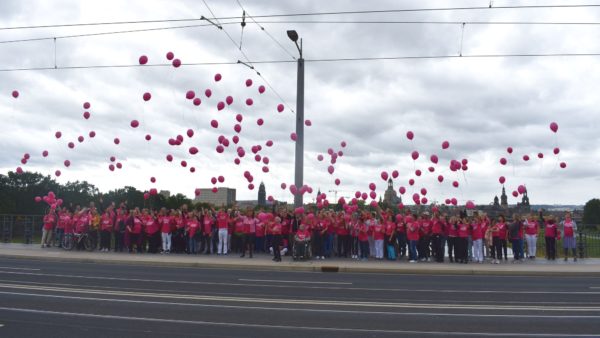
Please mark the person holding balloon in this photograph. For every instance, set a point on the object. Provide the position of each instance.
(48, 227)
(412, 234)
(531, 232)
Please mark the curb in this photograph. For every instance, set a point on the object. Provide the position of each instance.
(313, 268)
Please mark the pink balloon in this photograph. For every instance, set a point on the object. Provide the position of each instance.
(153, 179)
(260, 122)
(455, 184)
(15, 93)
(71, 145)
(92, 134)
(418, 172)
(143, 60)
(38, 199)
(112, 158)
(384, 175)
(423, 191)
(445, 145)
(525, 158)
(19, 170)
(556, 151)
(373, 195)
(470, 205)
(343, 144)
(169, 157)
(248, 83)
(220, 149)
(269, 143)
(515, 193)
(411, 182)
(58, 134)
(197, 192)
(119, 165)
(116, 140)
(308, 123)
(521, 189)
(86, 105)
(193, 150)
(410, 135)
(197, 101)
(509, 150)
(218, 77)
(237, 161)
(431, 169)
(184, 163)
(395, 174)
(454, 201)
(503, 161)
(563, 165)
(146, 195)
(364, 196)
(221, 179)
(57, 173)
(337, 181)
(280, 108)
(502, 179)
(293, 136)
(80, 139)
(265, 160)
(147, 96)
(45, 153)
(440, 178)
(283, 186)
(402, 190)
(215, 190)
(540, 155)
(249, 102)
(372, 186)
(134, 123)
(434, 159)
(415, 155)
(190, 94)
(190, 133)
(67, 163)
(176, 63)
(237, 128)
(320, 157)
(86, 115)
(214, 123)
(229, 100)
(208, 93)
(293, 189)
(220, 105)
(261, 89)
(170, 56)
(213, 180)
(424, 200)
(265, 169)
(554, 127)
(330, 169)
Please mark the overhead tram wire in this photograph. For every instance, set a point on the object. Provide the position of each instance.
(247, 63)
(357, 59)
(281, 15)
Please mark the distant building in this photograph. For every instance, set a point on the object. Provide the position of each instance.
(262, 195)
(390, 197)
(501, 207)
(223, 197)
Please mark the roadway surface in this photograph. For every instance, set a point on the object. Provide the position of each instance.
(66, 299)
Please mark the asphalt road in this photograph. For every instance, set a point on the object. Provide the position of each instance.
(59, 299)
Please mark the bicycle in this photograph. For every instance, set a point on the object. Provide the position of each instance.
(77, 239)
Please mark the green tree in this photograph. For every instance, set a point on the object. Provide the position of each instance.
(591, 212)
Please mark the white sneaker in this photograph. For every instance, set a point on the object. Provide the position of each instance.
(412, 261)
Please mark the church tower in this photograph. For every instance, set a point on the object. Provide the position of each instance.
(262, 195)
(504, 198)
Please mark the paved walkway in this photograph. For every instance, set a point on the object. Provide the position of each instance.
(584, 267)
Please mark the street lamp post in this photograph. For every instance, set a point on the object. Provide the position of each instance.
(299, 167)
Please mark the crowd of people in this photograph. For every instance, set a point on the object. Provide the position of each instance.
(363, 235)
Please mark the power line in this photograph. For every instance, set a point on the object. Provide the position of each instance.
(356, 59)
(383, 11)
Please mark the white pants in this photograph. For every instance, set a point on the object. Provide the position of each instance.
(478, 250)
(46, 237)
(379, 248)
(223, 241)
(531, 244)
(166, 241)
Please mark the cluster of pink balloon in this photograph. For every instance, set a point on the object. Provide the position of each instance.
(333, 157)
(50, 199)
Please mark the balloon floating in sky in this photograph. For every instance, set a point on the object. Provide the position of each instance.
(249, 102)
(86, 115)
(248, 83)
(147, 96)
(434, 159)
(92, 134)
(501, 179)
(45, 153)
(280, 108)
(293, 136)
(214, 123)
(563, 165)
(445, 145)
(143, 60)
(470, 205)
(261, 89)
(170, 56)
(410, 135)
(220, 105)
(15, 94)
(57, 173)
(86, 105)
(190, 94)
(134, 123)
(229, 100)
(509, 150)
(218, 77)
(554, 127)
(556, 151)
(58, 134)
(176, 63)
(525, 158)
(503, 161)
(260, 122)
(308, 123)
(415, 155)
(395, 174)
(116, 140)
(208, 93)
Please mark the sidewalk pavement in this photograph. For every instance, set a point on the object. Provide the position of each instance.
(539, 267)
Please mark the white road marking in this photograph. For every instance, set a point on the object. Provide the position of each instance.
(304, 301)
(292, 281)
(306, 286)
(265, 308)
(289, 327)
(11, 268)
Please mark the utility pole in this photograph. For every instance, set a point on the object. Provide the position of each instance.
(299, 163)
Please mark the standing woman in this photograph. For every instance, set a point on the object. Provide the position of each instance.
(49, 222)
(551, 233)
(165, 221)
(569, 228)
(94, 226)
(66, 222)
(401, 236)
(223, 225)
(452, 234)
(437, 237)
(477, 232)
(119, 232)
(363, 236)
(390, 237)
(378, 237)
(106, 227)
(531, 232)
(319, 231)
(275, 226)
(192, 226)
(412, 234)
(135, 231)
(463, 232)
(502, 236)
(249, 222)
(207, 226)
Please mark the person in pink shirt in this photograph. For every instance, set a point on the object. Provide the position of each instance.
(363, 236)
(378, 233)
(208, 224)
(462, 239)
(343, 235)
(165, 221)
(249, 229)
(437, 237)
(134, 228)
(551, 234)
(64, 226)
(424, 237)
(499, 235)
(531, 233)
(192, 226)
(275, 226)
(106, 227)
(569, 229)
(223, 220)
(48, 227)
(477, 232)
(84, 220)
(412, 235)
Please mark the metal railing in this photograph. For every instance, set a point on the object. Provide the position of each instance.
(22, 228)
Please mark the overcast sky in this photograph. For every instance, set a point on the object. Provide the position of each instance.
(480, 105)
